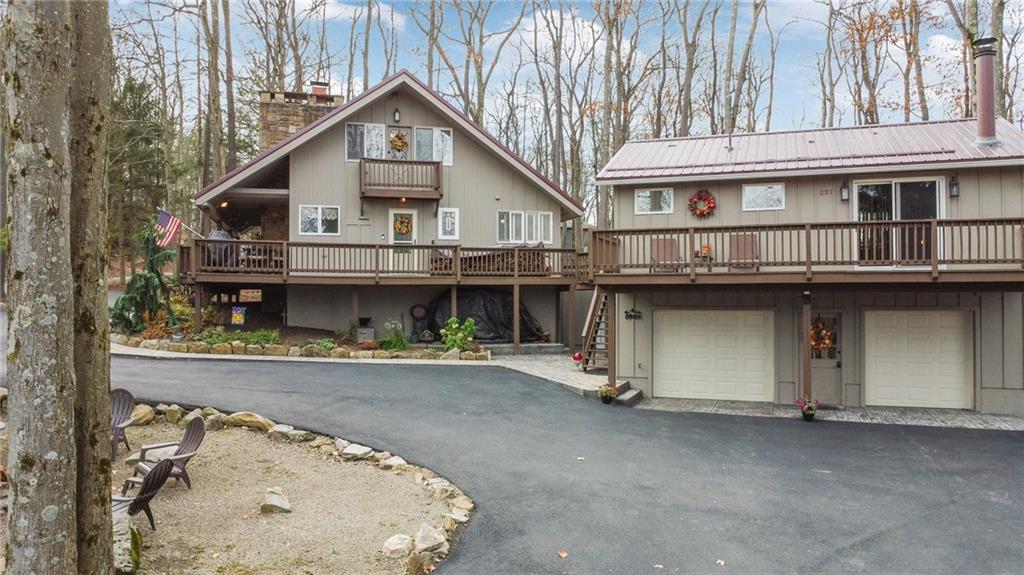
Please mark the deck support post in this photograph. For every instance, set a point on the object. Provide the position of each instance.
(455, 301)
(572, 318)
(515, 319)
(805, 345)
(197, 322)
(609, 343)
(355, 304)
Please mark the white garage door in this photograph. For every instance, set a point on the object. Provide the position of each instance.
(714, 354)
(919, 358)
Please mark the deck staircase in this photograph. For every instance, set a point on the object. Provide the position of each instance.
(595, 334)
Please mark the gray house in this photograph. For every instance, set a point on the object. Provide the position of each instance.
(392, 199)
(871, 265)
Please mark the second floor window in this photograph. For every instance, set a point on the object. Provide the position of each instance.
(364, 141)
(652, 201)
(319, 220)
(434, 145)
(516, 227)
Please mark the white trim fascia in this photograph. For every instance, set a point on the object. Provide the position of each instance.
(666, 180)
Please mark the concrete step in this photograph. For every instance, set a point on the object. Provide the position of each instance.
(629, 398)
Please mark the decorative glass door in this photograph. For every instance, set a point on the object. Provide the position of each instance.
(402, 232)
(826, 358)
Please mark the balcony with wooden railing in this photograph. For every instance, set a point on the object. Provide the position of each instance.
(239, 261)
(395, 179)
(988, 250)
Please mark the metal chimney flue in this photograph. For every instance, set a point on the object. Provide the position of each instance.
(984, 74)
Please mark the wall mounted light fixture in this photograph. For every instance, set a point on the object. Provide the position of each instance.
(633, 313)
(398, 116)
(954, 187)
(844, 191)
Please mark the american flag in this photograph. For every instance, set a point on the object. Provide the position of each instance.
(169, 225)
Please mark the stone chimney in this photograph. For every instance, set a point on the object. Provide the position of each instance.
(284, 113)
(984, 75)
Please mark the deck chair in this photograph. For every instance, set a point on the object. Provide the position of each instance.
(743, 252)
(665, 255)
(187, 447)
(150, 486)
(121, 406)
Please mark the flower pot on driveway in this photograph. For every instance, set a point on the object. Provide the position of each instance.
(606, 399)
(808, 416)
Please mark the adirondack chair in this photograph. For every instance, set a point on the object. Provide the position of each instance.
(743, 252)
(665, 255)
(121, 406)
(150, 486)
(187, 447)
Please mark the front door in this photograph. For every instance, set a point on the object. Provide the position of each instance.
(826, 358)
(401, 236)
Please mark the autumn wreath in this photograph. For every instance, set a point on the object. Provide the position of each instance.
(822, 338)
(702, 204)
(403, 225)
(399, 141)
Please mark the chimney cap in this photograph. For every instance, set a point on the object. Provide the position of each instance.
(318, 83)
(984, 46)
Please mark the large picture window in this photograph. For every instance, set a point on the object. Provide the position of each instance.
(516, 227)
(364, 141)
(652, 201)
(319, 220)
(762, 197)
(434, 145)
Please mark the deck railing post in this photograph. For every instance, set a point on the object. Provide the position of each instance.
(284, 260)
(1022, 246)
(935, 248)
(692, 256)
(593, 251)
(457, 263)
(807, 250)
(376, 265)
(194, 260)
(515, 262)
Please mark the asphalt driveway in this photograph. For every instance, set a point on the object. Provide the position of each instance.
(675, 490)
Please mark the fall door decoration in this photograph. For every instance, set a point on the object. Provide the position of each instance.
(403, 225)
(702, 204)
(822, 337)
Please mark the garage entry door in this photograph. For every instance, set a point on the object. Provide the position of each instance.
(919, 358)
(722, 354)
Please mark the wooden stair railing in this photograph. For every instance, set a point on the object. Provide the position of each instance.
(595, 336)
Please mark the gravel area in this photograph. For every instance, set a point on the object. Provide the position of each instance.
(342, 512)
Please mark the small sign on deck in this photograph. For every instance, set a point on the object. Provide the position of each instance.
(238, 315)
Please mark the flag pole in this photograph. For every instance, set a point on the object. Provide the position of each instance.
(189, 228)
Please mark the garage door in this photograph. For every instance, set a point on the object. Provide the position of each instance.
(919, 358)
(714, 354)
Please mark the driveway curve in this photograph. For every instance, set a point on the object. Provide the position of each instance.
(634, 491)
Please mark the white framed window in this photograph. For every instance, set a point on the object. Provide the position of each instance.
(762, 197)
(538, 227)
(510, 227)
(433, 145)
(448, 223)
(364, 141)
(656, 201)
(319, 220)
(516, 227)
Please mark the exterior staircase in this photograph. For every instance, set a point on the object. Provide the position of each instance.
(627, 395)
(595, 334)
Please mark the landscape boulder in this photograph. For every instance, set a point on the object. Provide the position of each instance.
(355, 451)
(313, 351)
(294, 351)
(119, 338)
(142, 414)
(381, 354)
(274, 501)
(450, 354)
(221, 348)
(361, 354)
(339, 352)
(237, 348)
(198, 347)
(279, 431)
(173, 413)
(215, 422)
(254, 349)
(151, 344)
(398, 546)
(188, 417)
(275, 350)
(299, 435)
(177, 347)
(248, 419)
(462, 502)
(429, 538)
(393, 462)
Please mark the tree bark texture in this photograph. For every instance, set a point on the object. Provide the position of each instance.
(41, 462)
(89, 103)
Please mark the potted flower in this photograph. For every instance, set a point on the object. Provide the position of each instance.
(808, 407)
(607, 393)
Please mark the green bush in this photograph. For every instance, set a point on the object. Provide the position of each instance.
(256, 337)
(324, 343)
(457, 336)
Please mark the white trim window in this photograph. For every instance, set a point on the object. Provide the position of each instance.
(653, 201)
(516, 227)
(433, 145)
(319, 220)
(764, 197)
(448, 223)
(364, 141)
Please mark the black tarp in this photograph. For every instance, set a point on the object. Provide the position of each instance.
(491, 309)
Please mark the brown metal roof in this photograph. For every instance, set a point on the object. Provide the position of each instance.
(860, 148)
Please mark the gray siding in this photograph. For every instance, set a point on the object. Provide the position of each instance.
(478, 183)
(984, 193)
(998, 317)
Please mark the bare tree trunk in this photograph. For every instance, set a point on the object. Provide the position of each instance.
(727, 73)
(229, 89)
(90, 112)
(922, 94)
(998, 9)
(211, 25)
(366, 45)
(41, 462)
